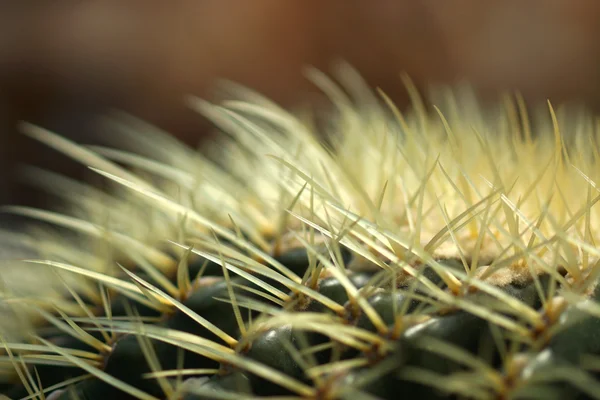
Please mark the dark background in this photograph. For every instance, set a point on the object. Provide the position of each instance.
(63, 62)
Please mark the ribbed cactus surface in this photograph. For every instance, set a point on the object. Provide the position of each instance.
(445, 252)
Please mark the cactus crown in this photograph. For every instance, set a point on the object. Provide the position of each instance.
(447, 250)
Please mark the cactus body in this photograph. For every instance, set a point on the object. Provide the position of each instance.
(429, 255)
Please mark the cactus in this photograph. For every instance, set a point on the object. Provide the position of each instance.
(445, 252)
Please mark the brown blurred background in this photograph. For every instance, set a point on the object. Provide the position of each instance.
(63, 62)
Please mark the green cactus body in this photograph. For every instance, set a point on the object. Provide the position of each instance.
(434, 254)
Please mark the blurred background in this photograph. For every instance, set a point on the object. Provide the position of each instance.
(64, 62)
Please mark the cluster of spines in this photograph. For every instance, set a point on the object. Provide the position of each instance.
(332, 299)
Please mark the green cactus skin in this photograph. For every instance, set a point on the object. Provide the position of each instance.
(445, 253)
